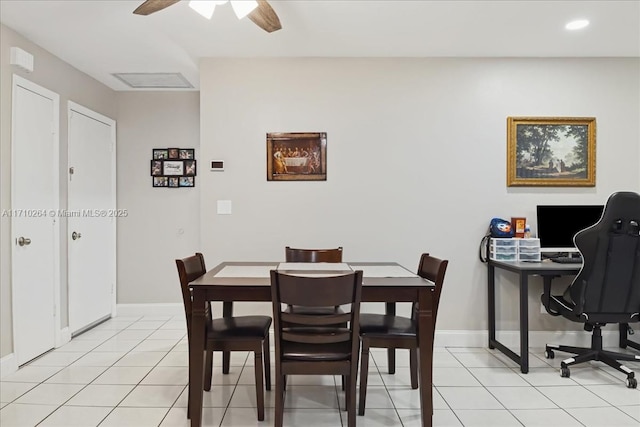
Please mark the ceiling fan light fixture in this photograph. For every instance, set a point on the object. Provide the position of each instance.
(204, 7)
(243, 7)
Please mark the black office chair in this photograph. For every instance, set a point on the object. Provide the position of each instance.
(607, 289)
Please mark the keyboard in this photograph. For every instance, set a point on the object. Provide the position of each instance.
(567, 260)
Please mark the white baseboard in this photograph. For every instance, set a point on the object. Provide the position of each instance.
(511, 339)
(159, 309)
(8, 365)
(64, 337)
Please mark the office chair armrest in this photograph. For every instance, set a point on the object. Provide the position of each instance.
(546, 296)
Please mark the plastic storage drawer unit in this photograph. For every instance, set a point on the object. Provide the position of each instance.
(503, 249)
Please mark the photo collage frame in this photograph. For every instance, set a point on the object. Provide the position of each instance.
(173, 167)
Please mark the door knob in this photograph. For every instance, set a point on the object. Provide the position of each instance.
(75, 235)
(24, 241)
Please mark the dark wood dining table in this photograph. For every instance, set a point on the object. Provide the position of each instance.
(254, 287)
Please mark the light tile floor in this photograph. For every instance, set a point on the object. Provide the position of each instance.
(132, 372)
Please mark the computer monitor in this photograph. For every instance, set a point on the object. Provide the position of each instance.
(558, 224)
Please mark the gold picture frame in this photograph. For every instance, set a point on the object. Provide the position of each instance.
(297, 156)
(551, 151)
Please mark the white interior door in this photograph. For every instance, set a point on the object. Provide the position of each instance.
(91, 226)
(35, 269)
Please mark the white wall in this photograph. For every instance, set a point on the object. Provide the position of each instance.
(72, 85)
(416, 159)
(162, 223)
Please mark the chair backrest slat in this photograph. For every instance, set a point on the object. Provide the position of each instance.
(326, 319)
(316, 291)
(313, 255)
(316, 336)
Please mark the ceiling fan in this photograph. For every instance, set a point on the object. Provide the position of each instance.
(263, 15)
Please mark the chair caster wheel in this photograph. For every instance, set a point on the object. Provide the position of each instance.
(632, 383)
(549, 354)
(565, 373)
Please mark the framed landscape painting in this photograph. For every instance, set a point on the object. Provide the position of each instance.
(551, 151)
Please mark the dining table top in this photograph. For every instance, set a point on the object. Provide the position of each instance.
(245, 273)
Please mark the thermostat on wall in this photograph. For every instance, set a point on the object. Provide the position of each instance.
(217, 165)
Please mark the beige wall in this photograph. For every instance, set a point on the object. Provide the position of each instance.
(163, 223)
(416, 162)
(416, 159)
(72, 85)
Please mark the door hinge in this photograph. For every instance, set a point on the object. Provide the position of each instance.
(71, 172)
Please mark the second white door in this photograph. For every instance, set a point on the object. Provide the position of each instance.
(92, 216)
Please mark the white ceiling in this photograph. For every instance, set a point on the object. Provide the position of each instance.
(103, 37)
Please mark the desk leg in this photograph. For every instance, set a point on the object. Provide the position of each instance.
(491, 287)
(227, 311)
(524, 323)
(425, 353)
(624, 337)
(391, 352)
(196, 359)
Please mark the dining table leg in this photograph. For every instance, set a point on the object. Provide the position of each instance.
(196, 359)
(390, 310)
(426, 335)
(227, 311)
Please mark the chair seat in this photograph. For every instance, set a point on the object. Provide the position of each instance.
(386, 325)
(560, 304)
(316, 352)
(240, 326)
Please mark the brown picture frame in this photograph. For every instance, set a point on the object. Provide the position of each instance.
(551, 151)
(297, 156)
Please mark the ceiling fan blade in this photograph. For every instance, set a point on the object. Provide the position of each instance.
(265, 17)
(150, 6)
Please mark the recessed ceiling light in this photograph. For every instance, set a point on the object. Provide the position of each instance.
(577, 24)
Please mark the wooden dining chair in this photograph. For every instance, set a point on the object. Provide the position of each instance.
(393, 332)
(313, 255)
(312, 344)
(235, 333)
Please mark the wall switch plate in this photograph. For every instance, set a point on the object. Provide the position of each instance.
(224, 207)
